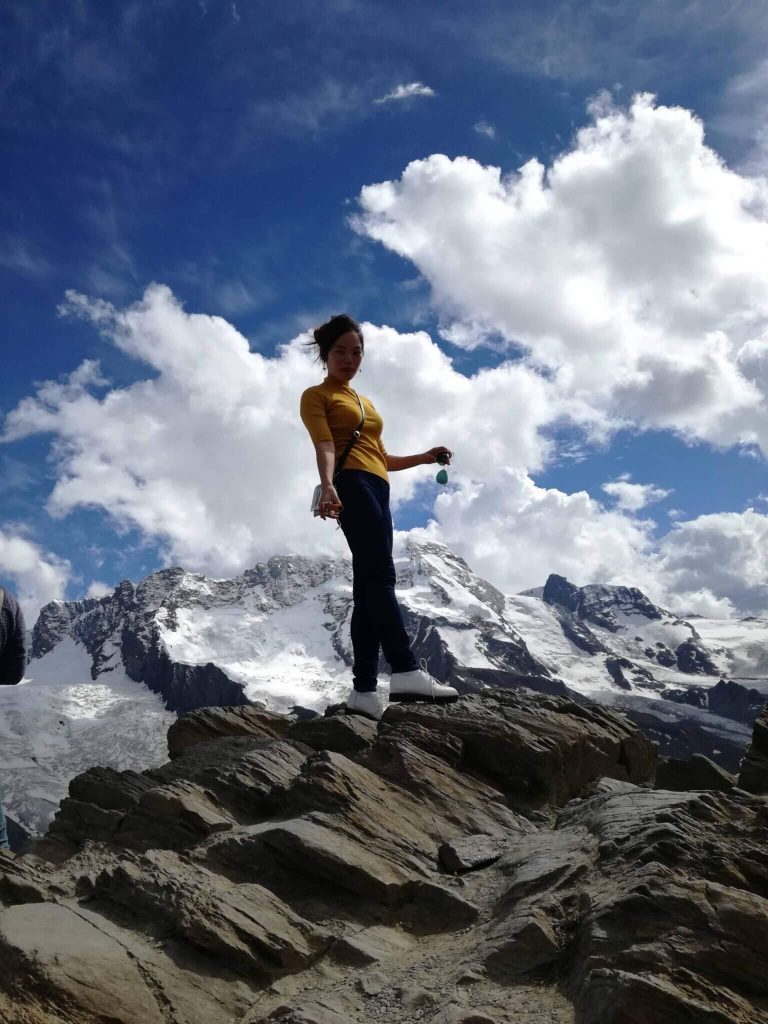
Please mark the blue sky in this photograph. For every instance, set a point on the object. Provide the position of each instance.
(220, 148)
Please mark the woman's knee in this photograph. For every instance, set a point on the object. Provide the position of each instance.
(378, 573)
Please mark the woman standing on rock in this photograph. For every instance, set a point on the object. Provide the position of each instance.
(358, 496)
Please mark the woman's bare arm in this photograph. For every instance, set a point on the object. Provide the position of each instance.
(397, 462)
(330, 506)
(326, 460)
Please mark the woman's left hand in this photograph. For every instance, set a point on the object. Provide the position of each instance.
(434, 455)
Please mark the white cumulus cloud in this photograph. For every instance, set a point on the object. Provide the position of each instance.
(207, 455)
(515, 533)
(718, 561)
(633, 271)
(631, 496)
(37, 576)
(98, 589)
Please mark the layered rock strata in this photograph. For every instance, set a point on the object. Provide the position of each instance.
(754, 768)
(501, 859)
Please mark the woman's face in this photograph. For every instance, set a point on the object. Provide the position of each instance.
(345, 357)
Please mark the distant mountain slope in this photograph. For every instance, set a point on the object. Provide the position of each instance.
(108, 674)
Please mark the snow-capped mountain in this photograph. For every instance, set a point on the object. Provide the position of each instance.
(279, 633)
(640, 640)
(108, 674)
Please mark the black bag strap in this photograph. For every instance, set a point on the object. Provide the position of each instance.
(352, 441)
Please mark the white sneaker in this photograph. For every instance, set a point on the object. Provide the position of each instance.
(366, 704)
(419, 685)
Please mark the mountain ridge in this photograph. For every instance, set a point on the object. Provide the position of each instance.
(277, 636)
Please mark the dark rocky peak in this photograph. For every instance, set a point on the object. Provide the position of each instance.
(599, 603)
(693, 657)
(56, 619)
(558, 590)
(90, 622)
(754, 768)
(173, 585)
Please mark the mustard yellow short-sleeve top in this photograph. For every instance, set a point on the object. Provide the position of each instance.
(331, 412)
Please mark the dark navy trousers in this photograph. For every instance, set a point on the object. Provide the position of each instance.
(376, 618)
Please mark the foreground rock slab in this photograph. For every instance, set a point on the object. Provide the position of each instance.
(697, 772)
(544, 750)
(213, 723)
(503, 859)
(754, 768)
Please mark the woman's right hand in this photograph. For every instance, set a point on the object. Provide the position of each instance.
(330, 506)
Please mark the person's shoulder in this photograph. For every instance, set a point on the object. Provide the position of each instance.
(10, 606)
(313, 394)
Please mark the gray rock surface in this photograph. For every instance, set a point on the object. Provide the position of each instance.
(17, 836)
(726, 698)
(345, 734)
(263, 878)
(609, 608)
(693, 657)
(470, 853)
(210, 723)
(599, 603)
(541, 750)
(697, 772)
(371, 945)
(754, 768)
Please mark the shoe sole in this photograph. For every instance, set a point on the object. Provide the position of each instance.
(415, 698)
(360, 714)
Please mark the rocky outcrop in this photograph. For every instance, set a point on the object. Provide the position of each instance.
(558, 590)
(17, 836)
(682, 739)
(578, 632)
(677, 929)
(182, 687)
(696, 772)
(599, 603)
(732, 700)
(621, 669)
(503, 858)
(693, 657)
(664, 655)
(726, 698)
(754, 768)
(545, 750)
(623, 612)
(213, 723)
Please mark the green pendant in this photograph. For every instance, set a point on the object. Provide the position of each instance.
(442, 477)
